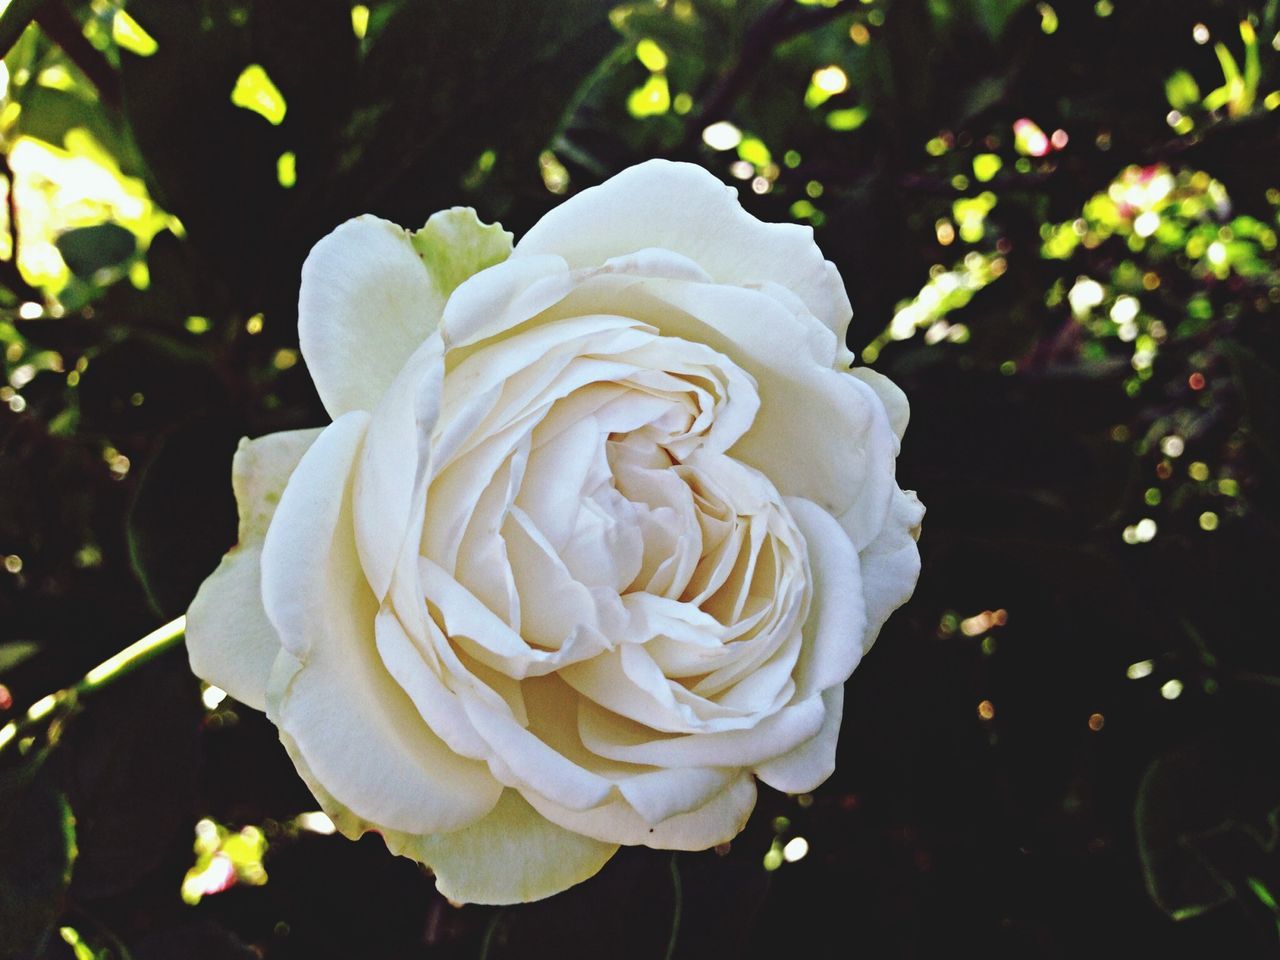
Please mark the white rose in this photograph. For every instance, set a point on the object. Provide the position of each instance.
(600, 528)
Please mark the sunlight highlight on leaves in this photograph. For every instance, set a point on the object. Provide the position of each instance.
(255, 91)
(129, 34)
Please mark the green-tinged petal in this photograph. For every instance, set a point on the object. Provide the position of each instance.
(455, 244)
(229, 639)
(513, 855)
(366, 303)
(259, 472)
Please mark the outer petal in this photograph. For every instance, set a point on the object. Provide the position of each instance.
(683, 208)
(259, 472)
(357, 730)
(837, 619)
(229, 639)
(611, 736)
(891, 563)
(808, 765)
(367, 302)
(890, 394)
(718, 820)
(513, 855)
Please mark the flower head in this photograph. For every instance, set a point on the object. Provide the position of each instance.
(600, 527)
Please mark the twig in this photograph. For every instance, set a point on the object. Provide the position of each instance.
(1215, 133)
(778, 22)
(113, 668)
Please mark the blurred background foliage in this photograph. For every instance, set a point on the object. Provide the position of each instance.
(1058, 226)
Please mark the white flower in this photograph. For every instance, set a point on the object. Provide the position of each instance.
(600, 528)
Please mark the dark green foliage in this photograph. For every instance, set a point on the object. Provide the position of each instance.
(37, 851)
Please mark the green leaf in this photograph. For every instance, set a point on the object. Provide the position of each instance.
(90, 249)
(188, 477)
(455, 244)
(994, 15)
(15, 19)
(1182, 90)
(513, 70)
(1205, 817)
(129, 767)
(1259, 385)
(37, 852)
(16, 653)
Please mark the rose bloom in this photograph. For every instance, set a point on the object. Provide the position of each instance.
(600, 527)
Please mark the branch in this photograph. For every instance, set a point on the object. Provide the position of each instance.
(780, 21)
(65, 30)
(15, 19)
(10, 276)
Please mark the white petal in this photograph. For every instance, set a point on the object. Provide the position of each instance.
(891, 564)
(392, 474)
(809, 764)
(505, 295)
(477, 630)
(682, 208)
(717, 821)
(415, 669)
(359, 733)
(230, 642)
(659, 795)
(524, 760)
(656, 262)
(229, 639)
(819, 433)
(890, 394)
(611, 736)
(366, 304)
(837, 620)
(552, 603)
(513, 855)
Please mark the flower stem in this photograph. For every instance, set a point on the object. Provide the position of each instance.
(113, 668)
(677, 907)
